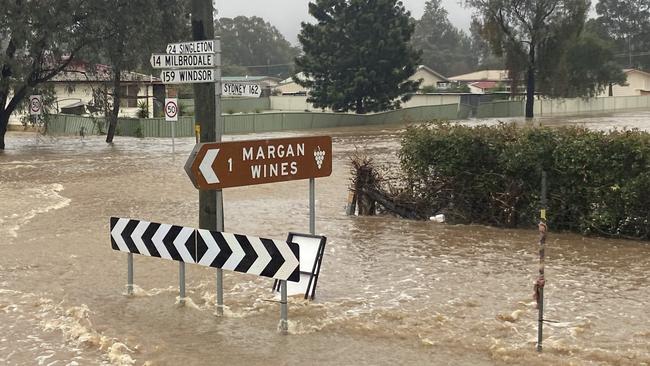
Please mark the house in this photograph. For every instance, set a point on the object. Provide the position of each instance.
(484, 81)
(429, 77)
(73, 91)
(290, 87)
(482, 87)
(75, 87)
(638, 83)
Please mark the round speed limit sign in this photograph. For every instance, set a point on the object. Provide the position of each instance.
(171, 109)
(35, 105)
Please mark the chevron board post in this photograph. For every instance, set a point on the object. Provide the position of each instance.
(240, 253)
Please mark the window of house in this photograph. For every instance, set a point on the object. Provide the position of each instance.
(129, 96)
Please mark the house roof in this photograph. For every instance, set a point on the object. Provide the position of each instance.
(83, 72)
(484, 84)
(627, 71)
(431, 71)
(483, 75)
(250, 78)
(301, 75)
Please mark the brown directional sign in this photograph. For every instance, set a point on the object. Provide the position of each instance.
(217, 165)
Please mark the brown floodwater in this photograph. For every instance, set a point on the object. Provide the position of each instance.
(391, 291)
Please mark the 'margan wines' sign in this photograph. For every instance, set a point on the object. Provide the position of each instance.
(213, 166)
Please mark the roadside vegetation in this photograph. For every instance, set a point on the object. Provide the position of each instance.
(598, 182)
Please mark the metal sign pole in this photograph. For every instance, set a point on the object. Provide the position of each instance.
(312, 206)
(541, 281)
(219, 133)
(173, 137)
(129, 279)
(284, 323)
(181, 285)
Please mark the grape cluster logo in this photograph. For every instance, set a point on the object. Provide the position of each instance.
(319, 155)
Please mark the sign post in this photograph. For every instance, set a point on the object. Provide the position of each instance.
(171, 115)
(541, 280)
(35, 106)
(193, 62)
(214, 166)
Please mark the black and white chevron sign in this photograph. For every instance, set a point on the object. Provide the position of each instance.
(241, 253)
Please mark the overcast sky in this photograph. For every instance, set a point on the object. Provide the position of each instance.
(286, 15)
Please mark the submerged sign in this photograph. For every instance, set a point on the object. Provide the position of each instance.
(213, 166)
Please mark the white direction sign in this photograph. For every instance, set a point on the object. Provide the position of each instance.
(190, 76)
(183, 61)
(35, 105)
(237, 89)
(171, 109)
(207, 46)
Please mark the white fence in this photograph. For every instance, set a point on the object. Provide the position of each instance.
(577, 106)
(299, 103)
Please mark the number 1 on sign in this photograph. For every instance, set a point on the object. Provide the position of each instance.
(230, 165)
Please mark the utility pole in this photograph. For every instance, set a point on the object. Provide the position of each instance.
(208, 115)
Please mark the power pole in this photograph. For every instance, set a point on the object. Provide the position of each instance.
(208, 115)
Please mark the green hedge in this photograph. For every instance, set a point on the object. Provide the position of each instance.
(598, 182)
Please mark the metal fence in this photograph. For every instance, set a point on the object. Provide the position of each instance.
(282, 121)
(232, 105)
(563, 107)
(253, 122)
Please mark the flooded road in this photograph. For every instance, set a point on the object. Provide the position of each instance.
(391, 291)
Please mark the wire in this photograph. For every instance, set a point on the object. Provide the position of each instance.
(262, 66)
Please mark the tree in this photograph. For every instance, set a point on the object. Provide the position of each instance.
(627, 22)
(37, 43)
(587, 69)
(128, 32)
(254, 46)
(531, 30)
(445, 48)
(480, 48)
(358, 55)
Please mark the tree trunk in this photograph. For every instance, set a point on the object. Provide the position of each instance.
(530, 87)
(611, 90)
(359, 106)
(364, 182)
(4, 121)
(117, 96)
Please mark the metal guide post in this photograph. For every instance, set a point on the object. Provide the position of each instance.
(284, 323)
(181, 285)
(541, 280)
(129, 280)
(312, 206)
(173, 137)
(219, 128)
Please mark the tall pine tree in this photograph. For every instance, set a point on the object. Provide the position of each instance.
(358, 55)
(445, 48)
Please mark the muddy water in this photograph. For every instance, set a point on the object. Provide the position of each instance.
(392, 292)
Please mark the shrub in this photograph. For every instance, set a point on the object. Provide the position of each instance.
(143, 109)
(598, 182)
